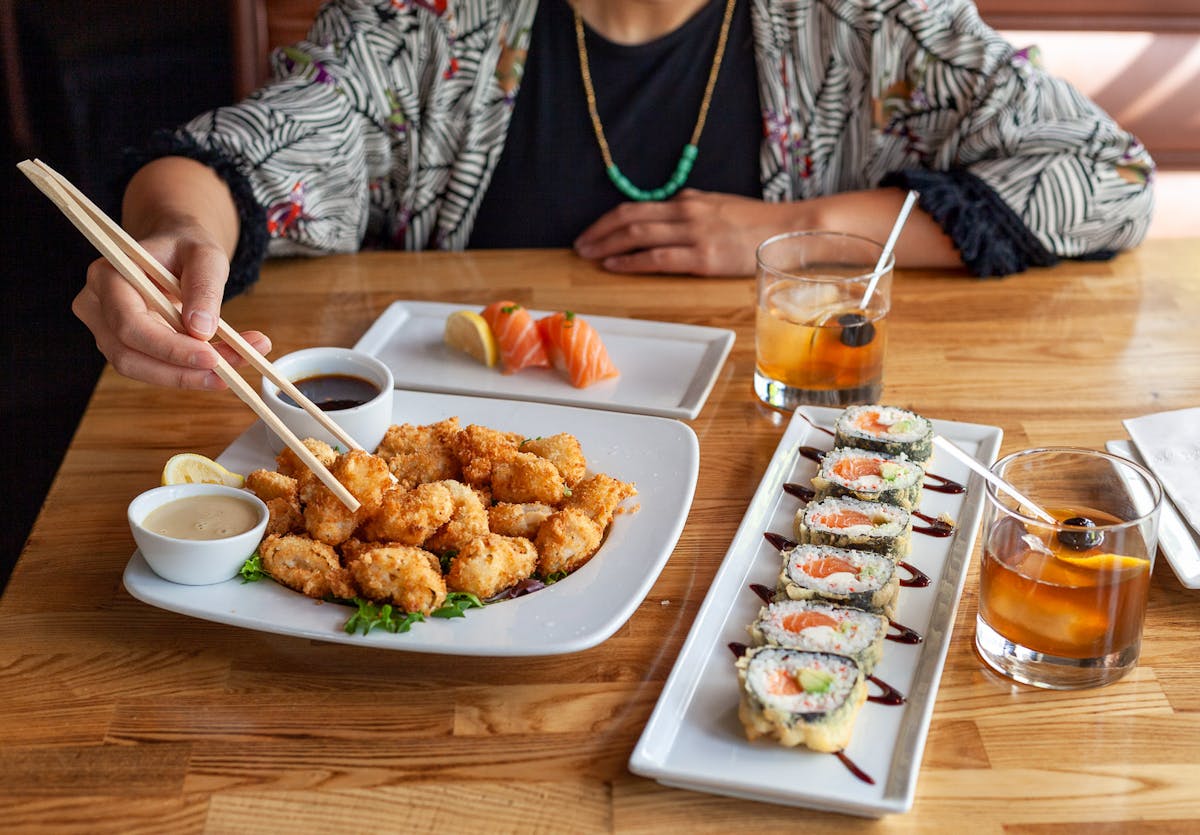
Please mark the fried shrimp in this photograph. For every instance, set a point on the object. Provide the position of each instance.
(565, 541)
(407, 577)
(307, 566)
(527, 478)
(479, 448)
(268, 485)
(325, 517)
(598, 497)
(518, 519)
(285, 516)
(288, 463)
(420, 454)
(490, 564)
(409, 517)
(563, 451)
(469, 520)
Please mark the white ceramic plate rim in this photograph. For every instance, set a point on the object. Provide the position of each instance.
(1178, 544)
(661, 456)
(694, 740)
(667, 369)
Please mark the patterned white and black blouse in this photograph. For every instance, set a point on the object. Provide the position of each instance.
(384, 129)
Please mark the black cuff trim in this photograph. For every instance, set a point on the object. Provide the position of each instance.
(990, 236)
(252, 217)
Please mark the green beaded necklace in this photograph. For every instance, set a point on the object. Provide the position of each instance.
(687, 159)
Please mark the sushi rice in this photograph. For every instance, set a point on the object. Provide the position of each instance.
(853, 523)
(870, 476)
(796, 697)
(887, 429)
(819, 626)
(862, 579)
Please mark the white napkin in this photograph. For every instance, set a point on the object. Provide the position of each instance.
(1169, 443)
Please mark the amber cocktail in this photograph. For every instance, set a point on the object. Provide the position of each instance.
(1061, 604)
(820, 337)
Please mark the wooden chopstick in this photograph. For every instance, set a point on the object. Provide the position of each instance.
(166, 279)
(124, 264)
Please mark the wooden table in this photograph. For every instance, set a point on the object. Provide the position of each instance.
(116, 716)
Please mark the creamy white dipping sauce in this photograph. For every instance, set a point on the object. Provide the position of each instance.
(202, 517)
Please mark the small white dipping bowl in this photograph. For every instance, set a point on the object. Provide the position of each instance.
(366, 424)
(194, 562)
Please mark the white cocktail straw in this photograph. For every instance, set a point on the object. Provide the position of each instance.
(995, 480)
(890, 245)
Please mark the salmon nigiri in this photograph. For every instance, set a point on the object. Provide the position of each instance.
(575, 348)
(516, 335)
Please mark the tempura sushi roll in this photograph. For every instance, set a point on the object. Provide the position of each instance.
(809, 698)
(818, 626)
(870, 476)
(885, 429)
(853, 523)
(862, 579)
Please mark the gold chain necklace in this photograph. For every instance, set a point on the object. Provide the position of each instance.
(688, 158)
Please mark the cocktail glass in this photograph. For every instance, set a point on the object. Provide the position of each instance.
(816, 341)
(1061, 604)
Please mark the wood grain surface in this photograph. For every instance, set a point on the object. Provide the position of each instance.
(119, 717)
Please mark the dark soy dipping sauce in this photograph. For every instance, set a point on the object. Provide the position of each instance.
(333, 392)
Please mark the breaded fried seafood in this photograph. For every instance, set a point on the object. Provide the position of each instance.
(444, 510)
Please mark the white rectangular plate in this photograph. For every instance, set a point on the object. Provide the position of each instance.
(660, 456)
(667, 369)
(1179, 545)
(694, 739)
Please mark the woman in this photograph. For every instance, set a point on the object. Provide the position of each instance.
(666, 136)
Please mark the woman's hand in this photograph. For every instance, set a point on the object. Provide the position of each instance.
(706, 233)
(695, 232)
(183, 214)
(137, 341)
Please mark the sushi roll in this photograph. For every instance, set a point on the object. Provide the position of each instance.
(885, 429)
(818, 626)
(852, 523)
(839, 575)
(870, 476)
(800, 698)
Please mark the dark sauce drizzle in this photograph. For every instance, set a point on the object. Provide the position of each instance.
(766, 593)
(943, 485)
(936, 527)
(738, 648)
(854, 769)
(889, 696)
(778, 541)
(919, 578)
(903, 634)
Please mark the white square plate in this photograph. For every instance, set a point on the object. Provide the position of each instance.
(667, 369)
(660, 456)
(694, 739)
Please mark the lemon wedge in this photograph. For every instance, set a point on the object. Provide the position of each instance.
(468, 332)
(1106, 562)
(194, 468)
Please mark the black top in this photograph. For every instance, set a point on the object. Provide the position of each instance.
(550, 183)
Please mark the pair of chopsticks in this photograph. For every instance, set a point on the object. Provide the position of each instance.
(138, 267)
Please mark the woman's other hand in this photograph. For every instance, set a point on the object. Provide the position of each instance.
(183, 215)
